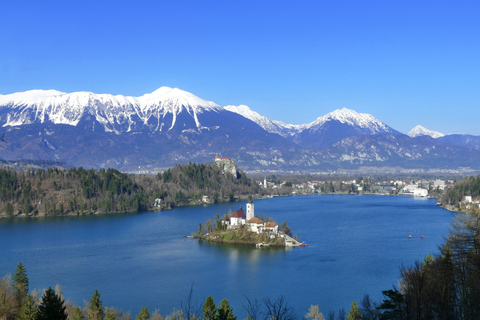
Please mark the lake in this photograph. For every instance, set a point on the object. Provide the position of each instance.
(356, 246)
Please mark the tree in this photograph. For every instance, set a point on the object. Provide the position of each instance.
(253, 309)
(314, 313)
(20, 283)
(279, 309)
(209, 225)
(368, 309)
(285, 228)
(225, 311)
(354, 312)
(392, 305)
(7, 301)
(9, 209)
(209, 309)
(143, 314)
(29, 309)
(77, 314)
(95, 309)
(52, 307)
(200, 230)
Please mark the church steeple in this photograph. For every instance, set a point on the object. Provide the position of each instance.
(250, 209)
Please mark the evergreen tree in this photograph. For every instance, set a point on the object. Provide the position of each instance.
(143, 314)
(209, 309)
(9, 209)
(354, 312)
(95, 309)
(52, 307)
(225, 311)
(20, 283)
(29, 309)
(76, 314)
(110, 315)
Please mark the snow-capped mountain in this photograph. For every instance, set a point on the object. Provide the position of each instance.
(422, 131)
(170, 126)
(157, 111)
(162, 128)
(352, 118)
(272, 126)
(337, 125)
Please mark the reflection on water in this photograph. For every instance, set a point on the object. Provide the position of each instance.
(356, 246)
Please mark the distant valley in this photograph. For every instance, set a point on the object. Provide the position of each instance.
(171, 126)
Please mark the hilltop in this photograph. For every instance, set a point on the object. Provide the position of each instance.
(78, 191)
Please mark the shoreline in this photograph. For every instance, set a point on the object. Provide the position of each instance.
(22, 216)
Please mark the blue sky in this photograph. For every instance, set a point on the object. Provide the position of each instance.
(404, 62)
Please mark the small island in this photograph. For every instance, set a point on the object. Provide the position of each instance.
(246, 228)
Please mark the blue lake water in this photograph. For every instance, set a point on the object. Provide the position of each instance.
(356, 246)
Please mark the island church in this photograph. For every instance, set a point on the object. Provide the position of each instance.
(254, 224)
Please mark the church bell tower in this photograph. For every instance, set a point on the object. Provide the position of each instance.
(250, 209)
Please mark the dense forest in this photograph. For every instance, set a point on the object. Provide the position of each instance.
(455, 195)
(51, 192)
(54, 192)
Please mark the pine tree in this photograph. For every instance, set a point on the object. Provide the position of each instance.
(52, 307)
(209, 309)
(20, 283)
(354, 312)
(29, 309)
(143, 314)
(225, 311)
(95, 310)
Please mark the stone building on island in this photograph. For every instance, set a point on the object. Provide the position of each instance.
(254, 224)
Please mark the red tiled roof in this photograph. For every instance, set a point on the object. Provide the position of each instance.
(270, 224)
(239, 214)
(255, 220)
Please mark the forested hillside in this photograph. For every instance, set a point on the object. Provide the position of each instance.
(184, 184)
(79, 191)
(454, 195)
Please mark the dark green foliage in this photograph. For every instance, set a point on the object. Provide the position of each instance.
(77, 314)
(143, 314)
(76, 191)
(29, 310)
(392, 305)
(20, 277)
(444, 287)
(454, 195)
(225, 311)
(20, 283)
(79, 191)
(95, 309)
(52, 307)
(285, 228)
(209, 310)
(187, 183)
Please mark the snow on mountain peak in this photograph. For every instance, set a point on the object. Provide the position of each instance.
(28, 97)
(350, 117)
(271, 126)
(422, 131)
(175, 99)
(68, 108)
(246, 112)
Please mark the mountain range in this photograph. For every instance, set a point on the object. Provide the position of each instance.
(171, 126)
